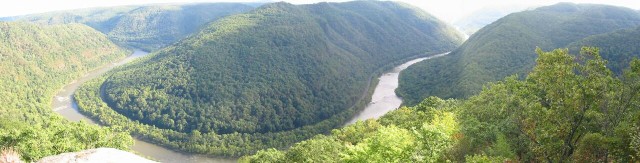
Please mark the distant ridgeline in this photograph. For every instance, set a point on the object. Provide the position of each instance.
(618, 47)
(267, 78)
(506, 46)
(146, 27)
(36, 61)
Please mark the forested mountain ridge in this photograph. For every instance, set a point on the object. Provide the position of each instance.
(147, 27)
(35, 61)
(570, 108)
(31, 53)
(272, 76)
(505, 47)
(618, 47)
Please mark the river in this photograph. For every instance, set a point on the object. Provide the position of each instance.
(384, 98)
(64, 104)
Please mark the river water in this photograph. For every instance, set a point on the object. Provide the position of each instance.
(383, 100)
(64, 104)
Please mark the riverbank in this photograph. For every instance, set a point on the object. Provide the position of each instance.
(153, 137)
(64, 104)
(384, 98)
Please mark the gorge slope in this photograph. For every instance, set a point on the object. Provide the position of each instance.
(35, 61)
(148, 27)
(275, 75)
(506, 47)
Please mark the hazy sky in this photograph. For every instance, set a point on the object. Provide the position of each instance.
(448, 10)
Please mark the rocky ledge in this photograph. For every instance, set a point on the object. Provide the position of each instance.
(99, 155)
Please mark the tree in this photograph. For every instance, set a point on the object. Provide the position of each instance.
(571, 99)
(319, 149)
(635, 143)
(388, 144)
(435, 138)
(548, 115)
(270, 155)
(594, 147)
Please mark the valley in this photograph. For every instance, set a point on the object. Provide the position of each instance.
(245, 83)
(506, 47)
(356, 81)
(384, 98)
(147, 27)
(65, 105)
(36, 61)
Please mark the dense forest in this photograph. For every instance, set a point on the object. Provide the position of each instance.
(275, 83)
(148, 27)
(618, 47)
(35, 61)
(266, 78)
(570, 108)
(505, 47)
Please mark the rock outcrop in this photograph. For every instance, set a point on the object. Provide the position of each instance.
(9, 156)
(99, 155)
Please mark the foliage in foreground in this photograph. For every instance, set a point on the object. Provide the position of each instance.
(569, 108)
(56, 135)
(505, 47)
(417, 134)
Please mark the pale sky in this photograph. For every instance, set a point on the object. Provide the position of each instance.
(447, 10)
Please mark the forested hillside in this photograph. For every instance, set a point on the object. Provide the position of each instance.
(35, 61)
(266, 78)
(618, 47)
(570, 108)
(505, 47)
(146, 27)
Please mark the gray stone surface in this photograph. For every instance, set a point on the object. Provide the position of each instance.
(100, 155)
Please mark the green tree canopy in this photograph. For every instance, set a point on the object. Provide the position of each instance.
(506, 47)
(570, 108)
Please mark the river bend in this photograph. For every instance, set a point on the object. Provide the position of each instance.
(383, 100)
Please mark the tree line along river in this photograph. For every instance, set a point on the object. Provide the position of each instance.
(383, 100)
